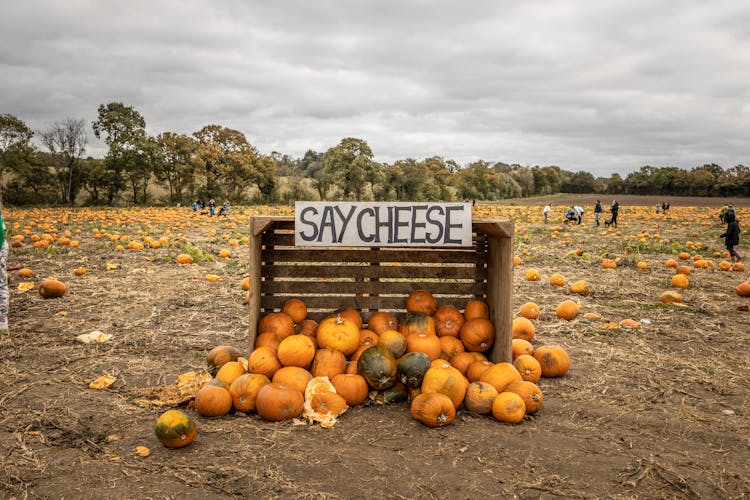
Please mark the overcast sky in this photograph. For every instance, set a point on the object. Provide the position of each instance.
(597, 85)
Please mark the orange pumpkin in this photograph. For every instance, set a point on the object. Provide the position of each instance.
(393, 341)
(352, 387)
(220, 355)
(671, 297)
(26, 273)
(426, 343)
(184, 258)
(682, 270)
(477, 334)
(280, 323)
(568, 310)
(743, 289)
(293, 376)
(307, 327)
(670, 263)
(245, 389)
(268, 339)
(277, 402)
(479, 398)
(381, 321)
(533, 275)
(532, 396)
(296, 350)
(523, 328)
(445, 379)
(520, 347)
(421, 301)
(462, 361)
(213, 399)
(500, 375)
(580, 288)
(530, 310)
(296, 309)
(328, 403)
(417, 323)
(476, 309)
(175, 429)
(368, 337)
(554, 360)
(448, 321)
(609, 264)
(477, 368)
(508, 407)
(230, 371)
(433, 410)
(557, 279)
(328, 363)
(450, 346)
(680, 281)
(52, 289)
(352, 314)
(528, 367)
(263, 360)
(338, 333)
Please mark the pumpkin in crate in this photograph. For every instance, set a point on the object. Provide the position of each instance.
(448, 321)
(476, 309)
(277, 402)
(394, 341)
(263, 360)
(368, 337)
(338, 333)
(230, 371)
(268, 339)
(476, 369)
(426, 343)
(378, 366)
(433, 410)
(381, 321)
(352, 314)
(296, 309)
(220, 355)
(421, 301)
(307, 327)
(479, 398)
(213, 399)
(508, 407)
(293, 376)
(245, 389)
(175, 429)
(554, 360)
(447, 380)
(296, 350)
(477, 334)
(450, 346)
(411, 368)
(413, 323)
(462, 361)
(352, 387)
(279, 323)
(328, 363)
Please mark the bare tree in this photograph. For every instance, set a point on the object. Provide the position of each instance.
(67, 141)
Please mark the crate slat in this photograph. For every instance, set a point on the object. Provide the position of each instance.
(443, 272)
(304, 288)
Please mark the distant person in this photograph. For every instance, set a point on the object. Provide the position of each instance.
(664, 208)
(211, 207)
(546, 211)
(614, 209)
(579, 212)
(224, 210)
(196, 206)
(658, 208)
(723, 213)
(570, 216)
(4, 291)
(597, 211)
(732, 235)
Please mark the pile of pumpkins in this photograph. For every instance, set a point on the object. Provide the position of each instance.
(432, 357)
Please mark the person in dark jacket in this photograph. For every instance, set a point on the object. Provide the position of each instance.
(597, 211)
(615, 209)
(732, 235)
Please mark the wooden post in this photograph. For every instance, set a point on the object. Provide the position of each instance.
(257, 226)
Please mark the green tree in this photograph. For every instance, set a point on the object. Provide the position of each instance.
(94, 179)
(15, 148)
(349, 166)
(66, 142)
(477, 181)
(124, 131)
(176, 168)
(580, 182)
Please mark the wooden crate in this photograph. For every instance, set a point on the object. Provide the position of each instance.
(372, 278)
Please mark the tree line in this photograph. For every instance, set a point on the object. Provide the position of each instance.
(219, 162)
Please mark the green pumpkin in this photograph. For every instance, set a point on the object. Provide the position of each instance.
(395, 394)
(417, 323)
(378, 366)
(411, 368)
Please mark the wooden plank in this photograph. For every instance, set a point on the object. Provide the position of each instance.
(372, 288)
(370, 255)
(492, 227)
(286, 239)
(373, 271)
(500, 297)
(255, 285)
(337, 302)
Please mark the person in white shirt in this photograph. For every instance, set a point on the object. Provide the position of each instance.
(546, 211)
(579, 212)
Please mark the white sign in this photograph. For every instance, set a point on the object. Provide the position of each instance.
(369, 224)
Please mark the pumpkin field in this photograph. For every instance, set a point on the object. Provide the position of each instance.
(652, 314)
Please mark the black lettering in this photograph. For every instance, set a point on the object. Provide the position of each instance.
(303, 220)
(448, 225)
(371, 213)
(414, 224)
(435, 222)
(397, 223)
(345, 219)
(327, 221)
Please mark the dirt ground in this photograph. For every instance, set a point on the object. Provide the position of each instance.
(660, 411)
